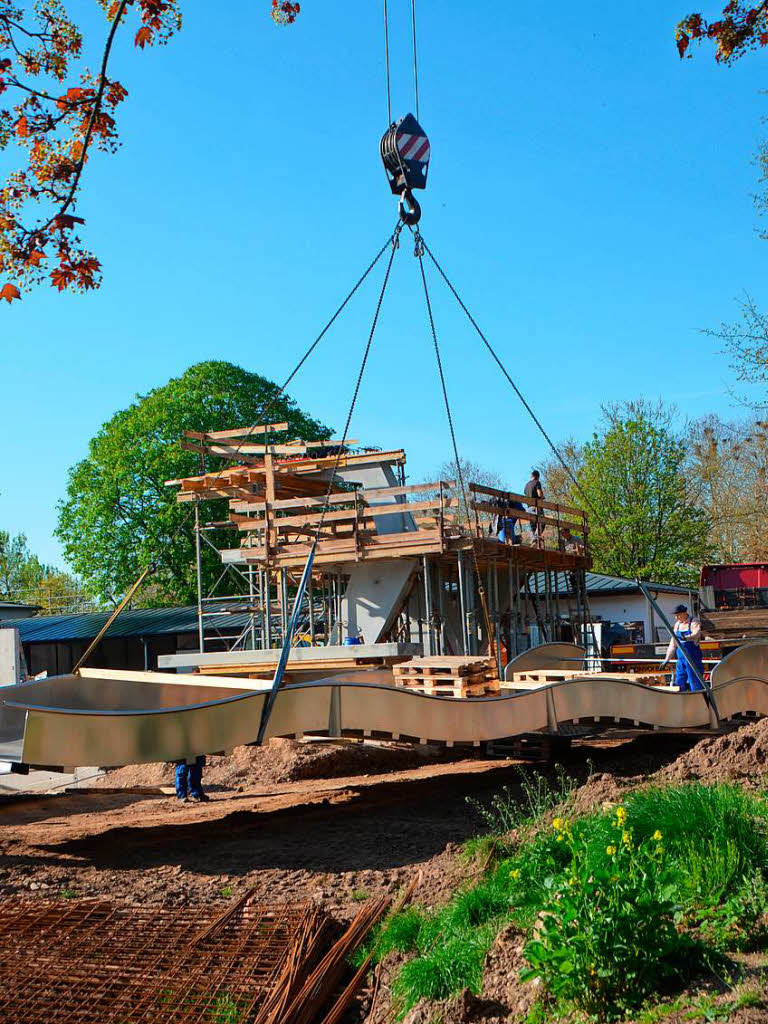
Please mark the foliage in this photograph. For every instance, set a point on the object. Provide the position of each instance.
(57, 113)
(118, 516)
(539, 794)
(729, 468)
(24, 578)
(615, 903)
(606, 937)
(741, 27)
(471, 473)
(644, 519)
(746, 342)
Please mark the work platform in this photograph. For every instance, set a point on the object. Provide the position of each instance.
(393, 562)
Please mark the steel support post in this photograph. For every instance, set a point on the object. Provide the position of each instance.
(311, 598)
(199, 575)
(428, 606)
(463, 605)
(440, 611)
(268, 611)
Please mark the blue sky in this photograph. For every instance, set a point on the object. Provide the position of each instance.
(589, 193)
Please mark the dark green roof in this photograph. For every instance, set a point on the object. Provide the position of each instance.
(142, 622)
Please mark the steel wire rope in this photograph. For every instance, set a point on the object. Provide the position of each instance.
(152, 566)
(415, 59)
(449, 415)
(555, 450)
(272, 694)
(386, 62)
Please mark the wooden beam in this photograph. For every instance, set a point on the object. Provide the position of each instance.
(271, 428)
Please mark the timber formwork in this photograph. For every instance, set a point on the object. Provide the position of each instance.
(95, 962)
(281, 496)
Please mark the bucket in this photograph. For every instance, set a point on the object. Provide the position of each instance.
(350, 641)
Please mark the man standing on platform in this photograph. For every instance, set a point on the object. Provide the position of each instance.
(688, 632)
(535, 491)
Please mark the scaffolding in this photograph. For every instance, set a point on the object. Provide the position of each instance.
(280, 497)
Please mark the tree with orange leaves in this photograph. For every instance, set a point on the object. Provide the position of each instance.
(58, 112)
(741, 27)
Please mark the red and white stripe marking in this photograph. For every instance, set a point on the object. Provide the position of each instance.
(413, 147)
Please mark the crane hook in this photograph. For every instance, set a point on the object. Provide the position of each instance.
(409, 209)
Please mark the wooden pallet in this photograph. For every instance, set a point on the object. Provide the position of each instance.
(454, 676)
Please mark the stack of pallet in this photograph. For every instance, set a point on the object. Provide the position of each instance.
(448, 676)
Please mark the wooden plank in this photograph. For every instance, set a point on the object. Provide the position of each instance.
(367, 514)
(271, 428)
(528, 517)
(526, 500)
(387, 492)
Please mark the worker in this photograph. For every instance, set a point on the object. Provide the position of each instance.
(688, 632)
(189, 781)
(571, 543)
(506, 524)
(534, 490)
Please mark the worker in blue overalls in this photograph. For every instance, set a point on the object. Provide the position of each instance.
(688, 632)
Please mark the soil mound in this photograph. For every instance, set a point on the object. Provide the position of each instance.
(741, 755)
(278, 761)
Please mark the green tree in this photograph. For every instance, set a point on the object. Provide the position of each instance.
(118, 515)
(645, 520)
(23, 577)
(19, 569)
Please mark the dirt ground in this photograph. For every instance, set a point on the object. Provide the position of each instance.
(332, 823)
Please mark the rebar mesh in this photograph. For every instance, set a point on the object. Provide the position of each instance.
(97, 962)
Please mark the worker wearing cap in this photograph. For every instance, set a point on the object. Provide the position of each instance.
(688, 632)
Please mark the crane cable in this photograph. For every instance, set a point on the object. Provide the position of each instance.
(277, 679)
(419, 253)
(415, 61)
(152, 566)
(555, 450)
(386, 62)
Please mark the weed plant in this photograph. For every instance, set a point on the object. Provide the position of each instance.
(617, 905)
(509, 810)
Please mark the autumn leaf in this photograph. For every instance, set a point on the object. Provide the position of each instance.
(33, 260)
(682, 43)
(62, 277)
(9, 292)
(143, 36)
(22, 128)
(65, 221)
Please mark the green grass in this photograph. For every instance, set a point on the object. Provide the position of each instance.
(67, 894)
(226, 891)
(360, 894)
(715, 863)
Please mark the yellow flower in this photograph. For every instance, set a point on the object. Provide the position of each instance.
(560, 837)
(621, 816)
(626, 838)
(656, 836)
(515, 873)
(573, 881)
(610, 850)
(557, 824)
